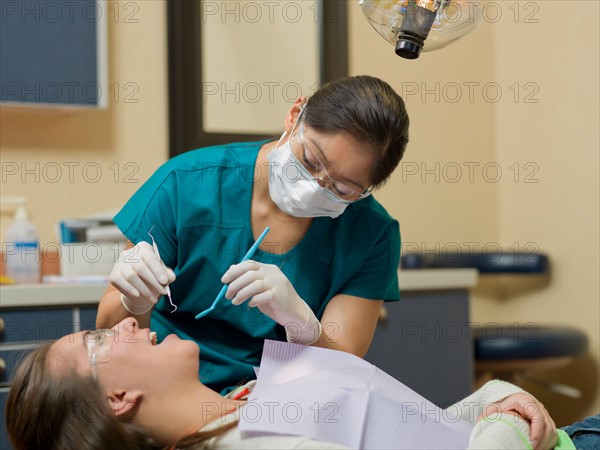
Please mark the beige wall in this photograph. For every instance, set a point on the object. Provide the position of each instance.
(557, 137)
(237, 94)
(560, 134)
(542, 133)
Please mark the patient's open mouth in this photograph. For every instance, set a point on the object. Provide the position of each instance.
(152, 337)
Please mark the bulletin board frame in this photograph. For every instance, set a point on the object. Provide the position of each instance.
(185, 70)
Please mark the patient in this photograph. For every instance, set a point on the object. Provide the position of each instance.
(115, 388)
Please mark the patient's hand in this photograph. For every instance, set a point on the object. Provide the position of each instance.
(543, 428)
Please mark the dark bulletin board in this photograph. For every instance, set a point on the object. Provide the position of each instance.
(53, 53)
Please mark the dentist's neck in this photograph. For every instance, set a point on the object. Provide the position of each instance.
(261, 171)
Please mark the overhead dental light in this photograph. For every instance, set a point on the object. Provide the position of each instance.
(415, 25)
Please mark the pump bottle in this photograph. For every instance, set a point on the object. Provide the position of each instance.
(22, 249)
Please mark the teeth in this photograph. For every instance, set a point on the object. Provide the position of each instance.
(152, 337)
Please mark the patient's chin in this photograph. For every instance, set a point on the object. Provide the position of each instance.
(185, 348)
(170, 337)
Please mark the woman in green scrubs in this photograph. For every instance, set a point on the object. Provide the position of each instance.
(323, 271)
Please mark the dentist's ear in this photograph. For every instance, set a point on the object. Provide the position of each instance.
(293, 113)
(124, 404)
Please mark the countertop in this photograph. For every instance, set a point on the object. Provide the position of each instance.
(88, 294)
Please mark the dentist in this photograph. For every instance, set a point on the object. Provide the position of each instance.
(324, 270)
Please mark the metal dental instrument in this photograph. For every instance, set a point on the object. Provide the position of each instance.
(158, 254)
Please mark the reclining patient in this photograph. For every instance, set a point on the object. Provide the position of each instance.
(116, 389)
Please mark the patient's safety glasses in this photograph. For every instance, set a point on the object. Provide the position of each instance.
(311, 162)
(99, 346)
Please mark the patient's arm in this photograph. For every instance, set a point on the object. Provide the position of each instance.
(472, 408)
(506, 430)
(111, 311)
(349, 323)
(543, 429)
(511, 408)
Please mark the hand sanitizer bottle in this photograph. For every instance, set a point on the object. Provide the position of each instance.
(22, 249)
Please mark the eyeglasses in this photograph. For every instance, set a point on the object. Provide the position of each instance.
(99, 346)
(311, 162)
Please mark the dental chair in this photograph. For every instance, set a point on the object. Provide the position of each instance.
(512, 352)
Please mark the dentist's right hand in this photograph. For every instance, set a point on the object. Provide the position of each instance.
(141, 277)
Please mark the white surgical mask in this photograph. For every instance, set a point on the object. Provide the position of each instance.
(295, 191)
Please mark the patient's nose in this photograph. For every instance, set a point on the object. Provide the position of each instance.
(128, 325)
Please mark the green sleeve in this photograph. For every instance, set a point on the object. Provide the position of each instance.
(377, 278)
(564, 441)
(153, 207)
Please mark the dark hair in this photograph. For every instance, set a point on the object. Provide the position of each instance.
(70, 411)
(370, 111)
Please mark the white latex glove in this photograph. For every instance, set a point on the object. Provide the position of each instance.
(141, 277)
(275, 296)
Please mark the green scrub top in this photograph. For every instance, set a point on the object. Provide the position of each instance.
(199, 205)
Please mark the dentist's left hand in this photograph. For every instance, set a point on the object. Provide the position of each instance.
(274, 295)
